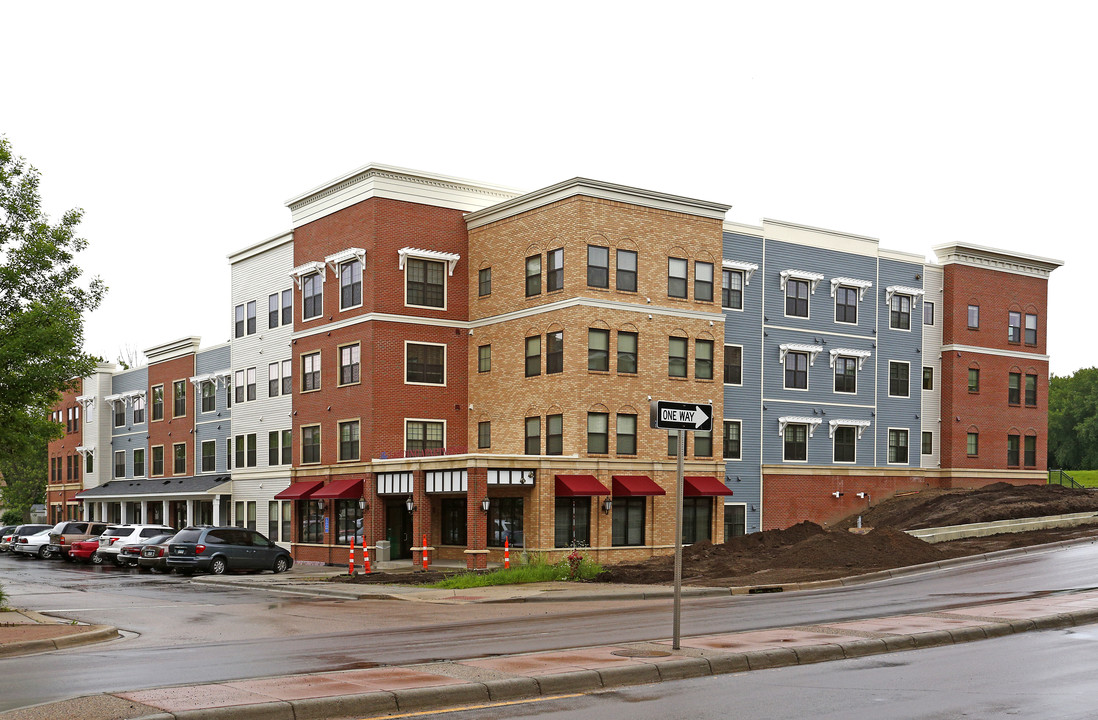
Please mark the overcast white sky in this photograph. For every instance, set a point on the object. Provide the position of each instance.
(182, 128)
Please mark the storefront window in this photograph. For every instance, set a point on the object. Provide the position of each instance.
(348, 522)
(505, 521)
(573, 522)
(311, 514)
(697, 514)
(453, 521)
(628, 523)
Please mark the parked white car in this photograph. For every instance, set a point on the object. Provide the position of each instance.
(36, 545)
(118, 536)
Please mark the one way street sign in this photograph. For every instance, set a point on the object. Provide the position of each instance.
(667, 415)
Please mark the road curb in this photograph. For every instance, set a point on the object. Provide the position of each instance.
(93, 634)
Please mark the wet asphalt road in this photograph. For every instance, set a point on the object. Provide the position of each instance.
(182, 632)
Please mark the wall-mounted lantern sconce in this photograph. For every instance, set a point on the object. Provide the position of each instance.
(363, 506)
(409, 504)
(607, 504)
(485, 504)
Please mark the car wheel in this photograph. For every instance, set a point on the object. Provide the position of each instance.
(281, 564)
(44, 553)
(218, 566)
(96, 558)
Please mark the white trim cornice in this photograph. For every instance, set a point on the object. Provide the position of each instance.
(861, 285)
(995, 259)
(812, 278)
(993, 351)
(748, 269)
(811, 422)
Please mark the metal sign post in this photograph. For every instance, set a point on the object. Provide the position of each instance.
(666, 415)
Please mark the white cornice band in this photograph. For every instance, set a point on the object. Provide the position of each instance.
(992, 351)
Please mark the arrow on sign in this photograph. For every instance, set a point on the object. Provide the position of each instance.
(700, 417)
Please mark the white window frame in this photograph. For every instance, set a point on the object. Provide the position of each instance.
(836, 461)
(808, 429)
(888, 378)
(339, 361)
(859, 426)
(445, 363)
(807, 371)
(860, 355)
(813, 280)
(450, 260)
(740, 383)
(335, 263)
(907, 431)
(114, 468)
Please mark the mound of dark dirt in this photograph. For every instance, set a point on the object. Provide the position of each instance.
(1001, 501)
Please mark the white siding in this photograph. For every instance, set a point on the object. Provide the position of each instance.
(931, 415)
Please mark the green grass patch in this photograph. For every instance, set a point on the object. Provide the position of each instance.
(1086, 478)
(533, 570)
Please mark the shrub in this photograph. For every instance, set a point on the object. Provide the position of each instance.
(11, 517)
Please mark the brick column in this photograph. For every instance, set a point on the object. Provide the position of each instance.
(371, 526)
(476, 520)
(421, 517)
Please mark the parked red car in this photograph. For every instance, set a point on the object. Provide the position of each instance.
(86, 551)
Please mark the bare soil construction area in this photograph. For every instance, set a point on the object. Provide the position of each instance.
(807, 552)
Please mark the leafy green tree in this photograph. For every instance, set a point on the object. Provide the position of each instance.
(11, 517)
(42, 307)
(1073, 420)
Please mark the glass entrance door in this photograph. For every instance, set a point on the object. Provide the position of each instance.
(398, 529)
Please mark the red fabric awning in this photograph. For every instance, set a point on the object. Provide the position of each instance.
(299, 490)
(636, 486)
(703, 486)
(579, 486)
(345, 489)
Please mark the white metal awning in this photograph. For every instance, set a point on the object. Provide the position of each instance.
(849, 352)
(335, 259)
(785, 420)
(891, 290)
(861, 285)
(748, 269)
(450, 258)
(812, 350)
(812, 278)
(860, 424)
(307, 269)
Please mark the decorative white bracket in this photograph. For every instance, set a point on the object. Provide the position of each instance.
(848, 352)
(87, 402)
(450, 258)
(85, 451)
(748, 269)
(861, 285)
(335, 260)
(812, 350)
(811, 422)
(860, 424)
(891, 290)
(301, 271)
(812, 278)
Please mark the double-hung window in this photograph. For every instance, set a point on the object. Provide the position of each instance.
(733, 365)
(973, 317)
(179, 395)
(846, 374)
(598, 433)
(732, 446)
(348, 440)
(251, 317)
(273, 382)
(703, 281)
(139, 410)
(533, 356)
(310, 372)
(1031, 390)
(425, 283)
(796, 371)
(928, 378)
(676, 277)
(554, 434)
(598, 349)
(209, 397)
(795, 442)
(1030, 451)
(349, 364)
(251, 384)
(626, 436)
(425, 364)
(845, 440)
(627, 352)
(532, 436)
(209, 456)
(676, 357)
(973, 380)
(1013, 450)
(179, 455)
(796, 298)
(598, 266)
(732, 289)
(928, 313)
(157, 403)
(899, 316)
(423, 436)
(287, 307)
(899, 381)
(703, 359)
(554, 270)
(238, 321)
(1031, 329)
(1014, 327)
(138, 462)
(1014, 388)
(238, 385)
(626, 280)
(533, 275)
(846, 305)
(272, 311)
(119, 413)
(119, 463)
(484, 358)
(972, 445)
(287, 377)
(554, 352)
(484, 282)
(350, 284)
(310, 444)
(897, 446)
(312, 296)
(484, 434)
(158, 460)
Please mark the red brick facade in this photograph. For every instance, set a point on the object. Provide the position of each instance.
(171, 429)
(65, 466)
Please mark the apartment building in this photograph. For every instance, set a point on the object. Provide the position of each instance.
(451, 367)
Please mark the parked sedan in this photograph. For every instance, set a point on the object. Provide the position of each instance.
(86, 551)
(219, 549)
(13, 537)
(155, 556)
(131, 554)
(4, 532)
(36, 545)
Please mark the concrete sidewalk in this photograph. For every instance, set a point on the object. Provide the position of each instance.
(416, 688)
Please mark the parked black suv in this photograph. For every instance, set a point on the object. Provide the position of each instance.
(219, 549)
